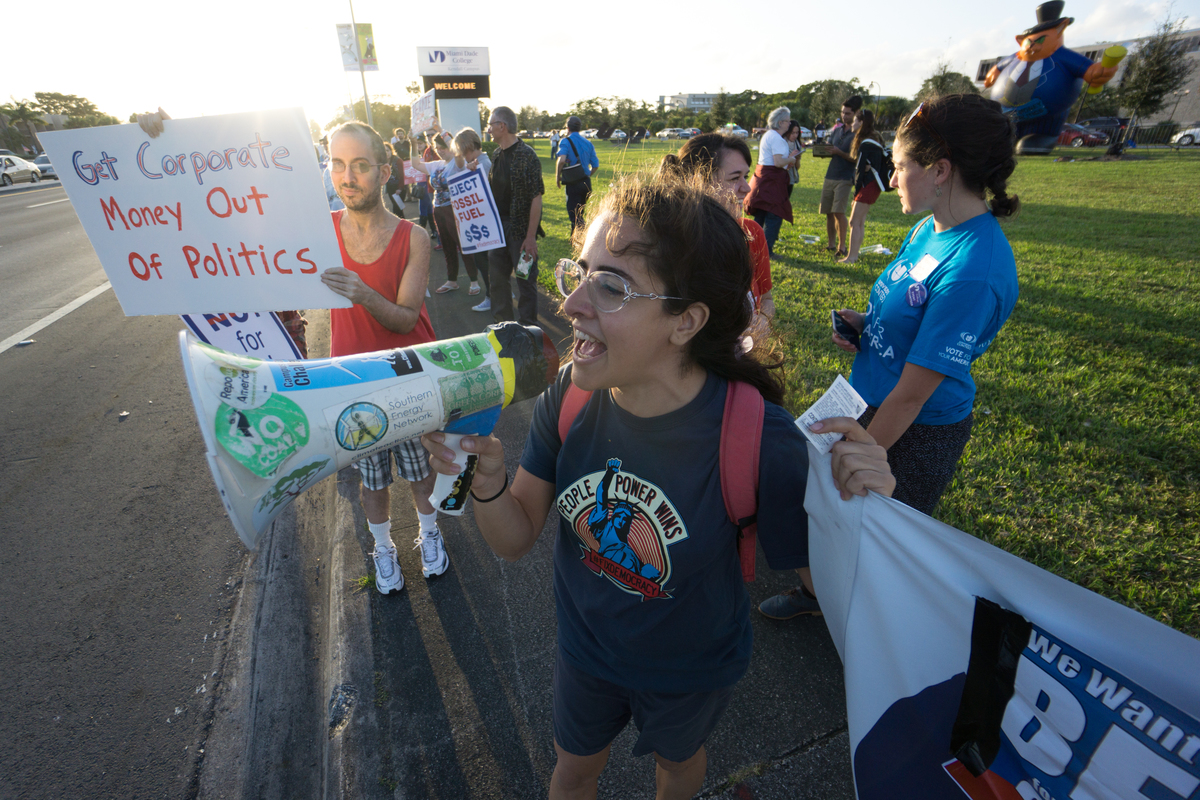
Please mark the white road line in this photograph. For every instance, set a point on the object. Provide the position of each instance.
(52, 202)
(55, 317)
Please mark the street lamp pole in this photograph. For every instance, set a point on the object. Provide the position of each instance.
(878, 89)
(1178, 96)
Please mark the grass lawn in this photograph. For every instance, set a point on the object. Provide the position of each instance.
(1085, 456)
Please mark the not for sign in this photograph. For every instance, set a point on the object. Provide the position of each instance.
(215, 211)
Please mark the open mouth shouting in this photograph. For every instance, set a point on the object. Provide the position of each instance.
(587, 348)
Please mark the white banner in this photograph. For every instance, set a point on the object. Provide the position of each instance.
(1104, 701)
(259, 334)
(453, 61)
(215, 208)
(479, 226)
(424, 112)
(358, 49)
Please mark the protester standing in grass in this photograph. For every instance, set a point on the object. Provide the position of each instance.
(651, 627)
(939, 305)
(768, 199)
(795, 150)
(724, 162)
(839, 178)
(868, 178)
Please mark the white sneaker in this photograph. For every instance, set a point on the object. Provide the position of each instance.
(486, 305)
(388, 577)
(433, 552)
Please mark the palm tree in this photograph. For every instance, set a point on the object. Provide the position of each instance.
(22, 111)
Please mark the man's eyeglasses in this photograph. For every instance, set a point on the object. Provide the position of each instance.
(362, 166)
(916, 117)
(607, 291)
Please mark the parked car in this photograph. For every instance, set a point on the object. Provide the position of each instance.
(45, 167)
(1186, 137)
(687, 133)
(1078, 136)
(734, 130)
(618, 134)
(590, 133)
(18, 170)
(1113, 127)
(668, 133)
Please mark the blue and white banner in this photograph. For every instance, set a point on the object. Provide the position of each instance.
(970, 672)
(475, 210)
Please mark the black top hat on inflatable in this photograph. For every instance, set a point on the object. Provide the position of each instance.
(1049, 15)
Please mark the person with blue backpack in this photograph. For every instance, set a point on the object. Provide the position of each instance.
(642, 444)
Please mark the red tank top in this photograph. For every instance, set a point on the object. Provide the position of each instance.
(353, 330)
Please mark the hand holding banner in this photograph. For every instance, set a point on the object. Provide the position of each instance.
(475, 210)
(214, 212)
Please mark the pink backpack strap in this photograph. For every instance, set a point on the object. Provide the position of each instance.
(741, 435)
(574, 399)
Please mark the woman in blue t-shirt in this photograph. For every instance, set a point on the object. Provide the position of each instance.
(653, 617)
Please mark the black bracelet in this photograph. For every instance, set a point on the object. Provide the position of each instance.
(503, 489)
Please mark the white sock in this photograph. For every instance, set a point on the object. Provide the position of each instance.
(382, 531)
(428, 522)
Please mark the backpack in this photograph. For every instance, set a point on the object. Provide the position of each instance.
(884, 178)
(741, 435)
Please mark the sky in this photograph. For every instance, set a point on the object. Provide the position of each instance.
(225, 56)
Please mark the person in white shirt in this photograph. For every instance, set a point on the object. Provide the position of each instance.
(768, 199)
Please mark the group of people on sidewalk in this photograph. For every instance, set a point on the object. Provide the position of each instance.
(669, 297)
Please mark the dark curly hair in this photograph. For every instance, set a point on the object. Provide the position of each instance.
(975, 136)
(695, 250)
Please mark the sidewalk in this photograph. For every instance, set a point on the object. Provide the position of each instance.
(443, 691)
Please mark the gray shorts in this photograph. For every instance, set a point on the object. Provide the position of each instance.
(835, 196)
(412, 460)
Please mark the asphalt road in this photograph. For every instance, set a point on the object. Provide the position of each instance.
(119, 567)
(45, 258)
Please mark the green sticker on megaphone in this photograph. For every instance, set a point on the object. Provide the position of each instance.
(457, 355)
(261, 439)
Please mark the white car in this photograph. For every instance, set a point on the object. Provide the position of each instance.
(734, 130)
(619, 134)
(16, 170)
(1186, 137)
(590, 133)
(668, 133)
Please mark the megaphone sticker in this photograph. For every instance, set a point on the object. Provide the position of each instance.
(290, 486)
(455, 355)
(261, 439)
(237, 386)
(470, 392)
(360, 425)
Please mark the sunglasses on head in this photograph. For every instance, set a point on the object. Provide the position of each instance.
(917, 117)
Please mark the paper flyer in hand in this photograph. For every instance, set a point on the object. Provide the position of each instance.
(839, 400)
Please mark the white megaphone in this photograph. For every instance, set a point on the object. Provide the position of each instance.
(274, 428)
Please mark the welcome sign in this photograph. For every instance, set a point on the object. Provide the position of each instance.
(214, 212)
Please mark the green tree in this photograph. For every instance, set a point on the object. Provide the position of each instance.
(1156, 69)
(719, 114)
(826, 98)
(385, 116)
(485, 114)
(945, 81)
(68, 105)
(20, 114)
(892, 111)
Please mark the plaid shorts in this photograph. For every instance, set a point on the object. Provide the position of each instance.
(412, 460)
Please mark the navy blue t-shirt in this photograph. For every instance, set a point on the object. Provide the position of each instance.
(647, 583)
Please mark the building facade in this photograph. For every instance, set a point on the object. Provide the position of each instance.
(690, 102)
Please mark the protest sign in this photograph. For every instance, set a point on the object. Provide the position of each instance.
(260, 334)
(413, 175)
(972, 673)
(479, 226)
(214, 209)
(424, 113)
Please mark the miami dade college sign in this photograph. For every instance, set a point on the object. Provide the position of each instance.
(455, 72)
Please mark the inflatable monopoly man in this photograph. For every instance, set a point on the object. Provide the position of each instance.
(274, 428)
(1039, 83)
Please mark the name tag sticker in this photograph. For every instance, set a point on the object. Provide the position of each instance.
(924, 268)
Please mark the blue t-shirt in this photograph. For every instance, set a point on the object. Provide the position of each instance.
(938, 305)
(647, 583)
(587, 153)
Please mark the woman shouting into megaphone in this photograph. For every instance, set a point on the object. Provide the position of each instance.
(653, 617)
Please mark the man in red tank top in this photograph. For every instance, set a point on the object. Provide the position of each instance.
(385, 272)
